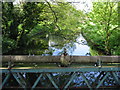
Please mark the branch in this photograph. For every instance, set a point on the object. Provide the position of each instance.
(114, 29)
(54, 14)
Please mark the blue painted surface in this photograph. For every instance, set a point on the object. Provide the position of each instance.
(80, 76)
(63, 69)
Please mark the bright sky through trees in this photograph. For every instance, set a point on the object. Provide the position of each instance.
(84, 5)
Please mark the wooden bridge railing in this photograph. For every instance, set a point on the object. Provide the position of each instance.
(52, 59)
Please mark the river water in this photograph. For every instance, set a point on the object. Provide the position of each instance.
(80, 48)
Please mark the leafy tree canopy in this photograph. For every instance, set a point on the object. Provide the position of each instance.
(27, 27)
(101, 28)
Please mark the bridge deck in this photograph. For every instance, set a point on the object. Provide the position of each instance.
(56, 66)
(67, 69)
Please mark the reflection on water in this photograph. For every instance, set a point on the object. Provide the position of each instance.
(79, 48)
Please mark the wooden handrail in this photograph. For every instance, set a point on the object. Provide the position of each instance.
(52, 59)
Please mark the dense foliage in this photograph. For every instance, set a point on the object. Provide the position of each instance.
(29, 26)
(32, 28)
(101, 28)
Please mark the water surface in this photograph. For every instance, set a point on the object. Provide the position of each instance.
(80, 48)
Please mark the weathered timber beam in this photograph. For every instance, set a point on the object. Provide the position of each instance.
(30, 59)
(52, 59)
(90, 59)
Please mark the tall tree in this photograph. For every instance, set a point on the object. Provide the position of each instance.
(18, 21)
(27, 27)
(102, 27)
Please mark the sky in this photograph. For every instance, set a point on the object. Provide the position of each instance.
(85, 5)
